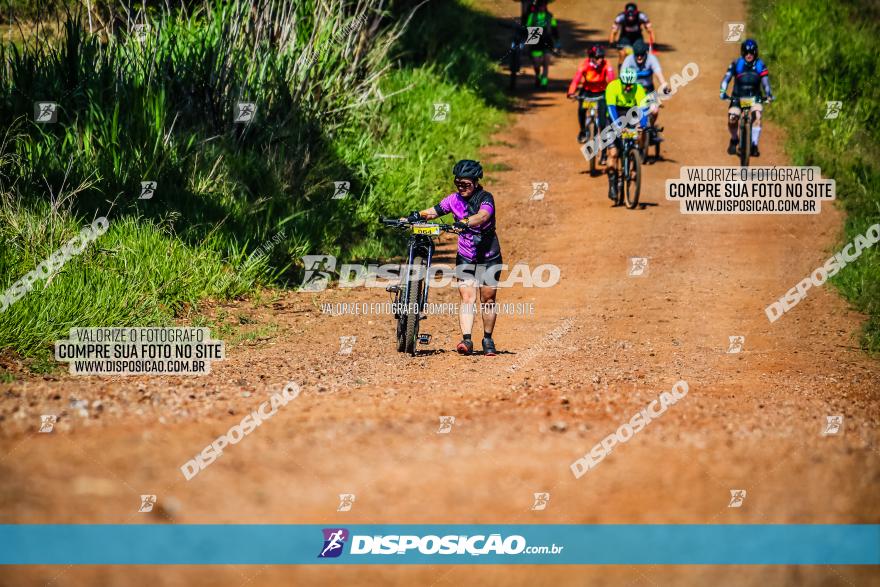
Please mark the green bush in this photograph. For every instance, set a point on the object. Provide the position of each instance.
(817, 52)
(331, 94)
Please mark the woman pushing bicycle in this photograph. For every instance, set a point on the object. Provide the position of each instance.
(478, 262)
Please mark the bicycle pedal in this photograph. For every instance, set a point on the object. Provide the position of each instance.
(424, 338)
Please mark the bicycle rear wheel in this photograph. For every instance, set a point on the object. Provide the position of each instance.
(633, 179)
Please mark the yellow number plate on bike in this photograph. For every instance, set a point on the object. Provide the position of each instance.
(629, 134)
(746, 102)
(426, 229)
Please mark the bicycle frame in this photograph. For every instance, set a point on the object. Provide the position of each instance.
(744, 128)
(418, 245)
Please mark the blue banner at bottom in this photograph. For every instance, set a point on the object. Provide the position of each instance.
(655, 544)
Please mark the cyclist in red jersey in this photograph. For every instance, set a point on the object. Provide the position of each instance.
(590, 81)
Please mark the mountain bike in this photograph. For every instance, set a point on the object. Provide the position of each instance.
(515, 54)
(591, 124)
(745, 128)
(629, 169)
(653, 132)
(410, 296)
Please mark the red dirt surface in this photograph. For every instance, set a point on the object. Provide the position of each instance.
(366, 423)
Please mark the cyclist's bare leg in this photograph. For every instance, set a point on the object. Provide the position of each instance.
(546, 64)
(611, 166)
(468, 292)
(756, 126)
(732, 123)
(487, 299)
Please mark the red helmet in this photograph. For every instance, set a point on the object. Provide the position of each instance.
(597, 52)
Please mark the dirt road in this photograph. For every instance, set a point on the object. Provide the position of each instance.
(367, 422)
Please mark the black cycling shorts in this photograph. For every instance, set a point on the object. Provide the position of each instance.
(484, 272)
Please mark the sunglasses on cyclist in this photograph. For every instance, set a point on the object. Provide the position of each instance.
(463, 184)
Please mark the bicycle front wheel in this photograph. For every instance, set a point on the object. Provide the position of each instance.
(633, 177)
(745, 139)
(592, 133)
(413, 308)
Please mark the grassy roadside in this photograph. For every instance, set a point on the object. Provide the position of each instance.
(236, 206)
(818, 52)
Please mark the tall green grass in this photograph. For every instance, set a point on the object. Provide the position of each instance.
(161, 110)
(819, 51)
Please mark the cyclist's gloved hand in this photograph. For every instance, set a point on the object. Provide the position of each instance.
(770, 98)
(414, 216)
(460, 225)
(724, 95)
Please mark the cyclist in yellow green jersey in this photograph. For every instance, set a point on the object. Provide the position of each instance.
(541, 38)
(621, 95)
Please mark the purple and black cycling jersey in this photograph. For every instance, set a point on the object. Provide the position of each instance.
(477, 244)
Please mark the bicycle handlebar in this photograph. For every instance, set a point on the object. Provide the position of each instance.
(398, 223)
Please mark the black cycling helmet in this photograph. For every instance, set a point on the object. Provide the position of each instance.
(640, 48)
(597, 52)
(631, 8)
(468, 169)
(749, 46)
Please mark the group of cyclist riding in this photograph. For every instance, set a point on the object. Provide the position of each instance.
(596, 82)
(611, 93)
